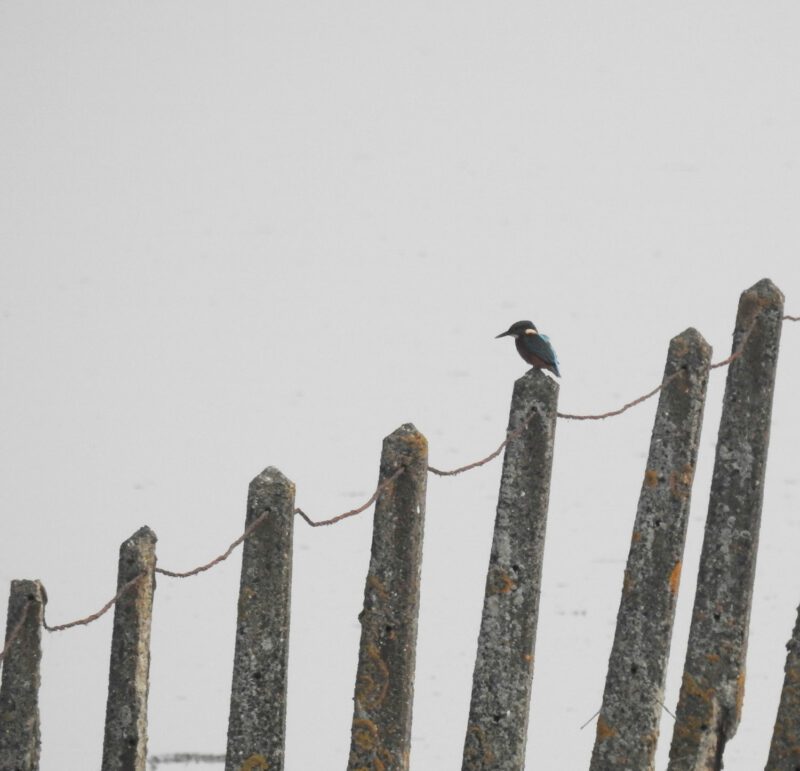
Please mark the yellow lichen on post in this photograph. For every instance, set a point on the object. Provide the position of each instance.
(478, 752)
(373, 683)
(255, 763)
(604, 731)
(365, 734)
(374, 583)
(740, 693)
(680, 482)
(675, 578)
(501, 583)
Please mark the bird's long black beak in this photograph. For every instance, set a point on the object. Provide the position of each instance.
(503, 334)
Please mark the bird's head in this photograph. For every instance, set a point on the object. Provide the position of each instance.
(520, 328)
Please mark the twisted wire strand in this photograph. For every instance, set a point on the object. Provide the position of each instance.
(380, 487)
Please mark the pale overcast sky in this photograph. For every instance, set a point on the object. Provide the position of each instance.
(235, 235)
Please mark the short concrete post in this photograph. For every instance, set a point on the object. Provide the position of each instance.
(257, 720)
(627, 729)
(711, 695)
(384, 692)
(784, 753)
(503, 674)
(125, 742)
(19, 692)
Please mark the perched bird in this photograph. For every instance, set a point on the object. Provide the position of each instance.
(533, 347)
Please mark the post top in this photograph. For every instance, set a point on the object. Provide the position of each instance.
(767, 291)
(270, 477)
(143, 534)
(691, 338)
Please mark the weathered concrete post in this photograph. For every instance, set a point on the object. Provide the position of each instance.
(19, 692)
(713, 677)
(257, 721)
(384, 691)
(784, 753)
(125, 741)
(627, 729)
(503, 674)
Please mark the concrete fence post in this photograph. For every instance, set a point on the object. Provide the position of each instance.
(503, 674)
(19, 692)
(628, 725)
(784, 753)
(257, 720)
(712, 690)
(384, 691)
(125, 741)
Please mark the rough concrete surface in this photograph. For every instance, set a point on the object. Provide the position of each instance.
(628, 724)
(19, 692)
(712, 692)
(502, 678)
(257, 719)
(384, 691)
(125, 740)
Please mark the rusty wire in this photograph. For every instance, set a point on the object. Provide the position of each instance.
(381, 486)
(126, 587)
(603, 415)
(374, 497)
(254, 525)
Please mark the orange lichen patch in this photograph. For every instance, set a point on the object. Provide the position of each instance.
(636, 537)
(604, 730)
(527, 658)
(680, 345)
(500, 583)
(740, 693)
(694, 689)
(477, 752)
(675, 578)
(373, 683)
(712, 658)
(680, 482)
(417, 440)
(365, 734)
(386, 760)
(700, 711)
(651, 477)
(374, 583)
(255, 763)
(628, 584)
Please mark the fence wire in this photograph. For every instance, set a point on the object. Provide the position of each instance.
(14, 633)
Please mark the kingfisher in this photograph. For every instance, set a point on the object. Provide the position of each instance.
(532, 346)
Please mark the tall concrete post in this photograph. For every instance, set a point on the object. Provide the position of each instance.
(712, 691)
(19, 692)
(784, 752)
(384, 691)
(503, 674)
(125, 741)
(628, 725)
(257, 720)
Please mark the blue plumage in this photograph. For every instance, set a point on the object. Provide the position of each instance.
(536, 349)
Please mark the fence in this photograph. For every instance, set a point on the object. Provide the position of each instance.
(710, 701)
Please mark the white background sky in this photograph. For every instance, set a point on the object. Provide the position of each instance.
(235, 235)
